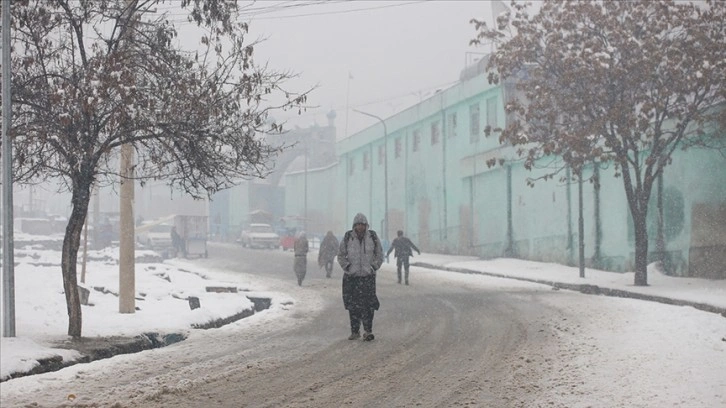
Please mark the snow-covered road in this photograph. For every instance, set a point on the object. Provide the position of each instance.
(468, 341)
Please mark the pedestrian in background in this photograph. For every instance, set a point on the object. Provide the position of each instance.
(300, 248)
(360, 255)
(328, 250)
(402, 245)
(177, 242)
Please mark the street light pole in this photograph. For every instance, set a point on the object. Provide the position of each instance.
(385, 170)
(7, 184)
(127, 265)
(305, 198)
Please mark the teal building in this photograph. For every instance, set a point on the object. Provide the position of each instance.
(426, 168)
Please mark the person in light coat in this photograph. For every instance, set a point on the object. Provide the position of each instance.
(301, 257)
(360, 255)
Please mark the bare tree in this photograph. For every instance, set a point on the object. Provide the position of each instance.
(92, 75)
(625, 82)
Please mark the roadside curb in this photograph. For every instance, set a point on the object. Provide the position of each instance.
(99, 348)
(586, 288)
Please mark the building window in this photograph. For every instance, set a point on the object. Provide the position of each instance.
(416, 141)
(366, 160)
(381, 154)
(491, 114)
(398, 147)
(435, 135)
(451, 129)
(351, 167)
(474, 123)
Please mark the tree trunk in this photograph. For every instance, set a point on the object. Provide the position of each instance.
(638, 196)
(69, 257)
(641, 248)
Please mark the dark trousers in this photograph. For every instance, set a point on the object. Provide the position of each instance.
(358, 315)
(402, 261)
(179, 248)
(328, 268)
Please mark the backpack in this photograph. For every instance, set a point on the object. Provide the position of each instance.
(373, 234)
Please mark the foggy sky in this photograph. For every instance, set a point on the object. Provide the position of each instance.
(398, 53)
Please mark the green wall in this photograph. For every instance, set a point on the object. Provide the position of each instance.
(446, 198)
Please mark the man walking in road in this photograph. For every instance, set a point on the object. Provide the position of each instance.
(402, 245)
(360, 255)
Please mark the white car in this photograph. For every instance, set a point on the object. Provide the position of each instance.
(155, 236)
(259, 236)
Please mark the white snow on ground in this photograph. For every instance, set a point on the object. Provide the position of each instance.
(685, 347)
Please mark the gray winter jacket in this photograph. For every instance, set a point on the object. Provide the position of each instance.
(360, 257)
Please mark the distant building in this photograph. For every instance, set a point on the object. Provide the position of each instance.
(446, 198)
(307, 148)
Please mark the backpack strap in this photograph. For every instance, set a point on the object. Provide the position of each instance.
(374, 237)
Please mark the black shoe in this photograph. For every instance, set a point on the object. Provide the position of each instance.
(354, 336)
(368, 336)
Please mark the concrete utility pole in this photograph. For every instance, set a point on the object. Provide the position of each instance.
(385, 171)
(96, 215)
(580, 226)
(127, 272)
(305, 194)
(7, 187)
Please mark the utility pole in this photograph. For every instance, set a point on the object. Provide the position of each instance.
(568, 192)
(7, 188)
(96, 215)
(305, 194)
(127, 272)
(444, 136)
(127, 278)
(580, 226)
(85, 250)
(385, 171)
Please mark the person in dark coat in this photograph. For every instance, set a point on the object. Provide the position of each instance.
(360, 255)
(177, 242)
(328, 250)
(301, 257)
(402, 245)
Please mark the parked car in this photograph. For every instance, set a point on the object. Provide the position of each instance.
(155, 235)
(259, 236)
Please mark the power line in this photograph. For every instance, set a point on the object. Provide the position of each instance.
(283, 6)
(343, 11)
(248, 10)
(254, 13)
